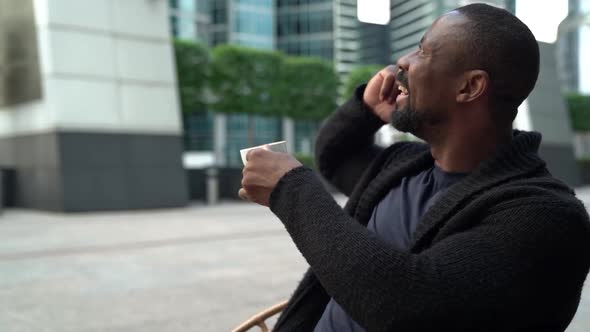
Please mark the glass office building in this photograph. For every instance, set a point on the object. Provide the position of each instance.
(252, 23)
(329, 30)
(249, 23)
(411, 18)
(190, 19)
(306, 28)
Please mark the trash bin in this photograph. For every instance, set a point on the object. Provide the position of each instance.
(212, 185)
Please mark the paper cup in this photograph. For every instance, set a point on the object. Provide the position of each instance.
(276, 147)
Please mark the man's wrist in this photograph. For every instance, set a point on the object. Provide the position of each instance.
(283, 181)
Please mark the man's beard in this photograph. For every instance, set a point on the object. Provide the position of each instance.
(407, 120)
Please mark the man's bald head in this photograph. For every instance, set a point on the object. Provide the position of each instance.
(499, 43)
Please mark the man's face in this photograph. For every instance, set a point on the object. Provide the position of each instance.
(428, 78)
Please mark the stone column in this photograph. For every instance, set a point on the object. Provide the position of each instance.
(545, 111)
(106, 131)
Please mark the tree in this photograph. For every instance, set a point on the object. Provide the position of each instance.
(579, 110)
(244, 80)
(192, 67)
(308, 88)
(359, 76)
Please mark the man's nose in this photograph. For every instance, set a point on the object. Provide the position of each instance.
(403, 62)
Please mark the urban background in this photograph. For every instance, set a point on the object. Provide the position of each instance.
(91, 90)
(127, 106)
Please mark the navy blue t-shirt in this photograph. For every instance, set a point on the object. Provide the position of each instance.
(394, 220)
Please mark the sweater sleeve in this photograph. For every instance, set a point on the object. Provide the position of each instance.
(509, 266)
(345, 144)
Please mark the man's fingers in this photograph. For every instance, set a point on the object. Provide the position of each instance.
(259, 152)
(387, 87)
(394, 93)
(243, 194)
(249, 154)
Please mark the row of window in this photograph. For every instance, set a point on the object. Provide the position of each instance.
(219, 37)
(318, 48)
(297, 23)
(259, 3)
(305, 135)
(284, 3)
(263, 44)
(243, 131)
(218, 12)
(253, 23)
(191, 7)
(198, 131)
(189, 29)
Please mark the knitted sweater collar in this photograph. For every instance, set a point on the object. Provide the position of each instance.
(513, 160)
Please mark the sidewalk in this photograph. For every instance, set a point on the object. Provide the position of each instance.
(195, 269)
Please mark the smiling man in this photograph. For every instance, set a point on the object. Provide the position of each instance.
(466, 232)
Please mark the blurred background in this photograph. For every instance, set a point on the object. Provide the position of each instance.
(137, 109)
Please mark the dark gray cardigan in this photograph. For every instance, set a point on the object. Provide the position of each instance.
(507, 248)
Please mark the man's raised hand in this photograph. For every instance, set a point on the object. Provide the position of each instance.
(381, 92)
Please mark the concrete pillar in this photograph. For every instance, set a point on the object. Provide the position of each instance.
(106, 131)
(545, 111)
(219, 141)
(289, 133)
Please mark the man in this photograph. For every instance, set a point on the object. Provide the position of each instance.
(468, 232)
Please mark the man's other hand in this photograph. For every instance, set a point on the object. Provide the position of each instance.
(263, 170)
(381, 92)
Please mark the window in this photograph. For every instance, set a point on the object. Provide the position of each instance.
(245, 130)
(189, 6)
(303, 22)
(198, 131)
(174, 25)
(320, 22)
(219, 12)
(305, 135)
(315, 48)
(283, 25)
(253, 23)
(219, 37)
(261, 44)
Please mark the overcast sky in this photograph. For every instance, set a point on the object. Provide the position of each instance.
(542, 17)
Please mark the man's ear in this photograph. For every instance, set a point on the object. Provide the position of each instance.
(475, 83)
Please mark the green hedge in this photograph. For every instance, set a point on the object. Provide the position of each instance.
(192, 71)
(358, 76)
(307, 88)
(244, 80)
(235, 79)
(579, 110)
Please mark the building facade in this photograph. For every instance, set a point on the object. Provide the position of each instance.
(105, 131)
(191, 20)
(331, 30)
(573, 49)
(299, 28)
(411, 18)
(215, 139)
(306, 29)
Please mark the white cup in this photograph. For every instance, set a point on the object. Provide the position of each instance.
(276, 147)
